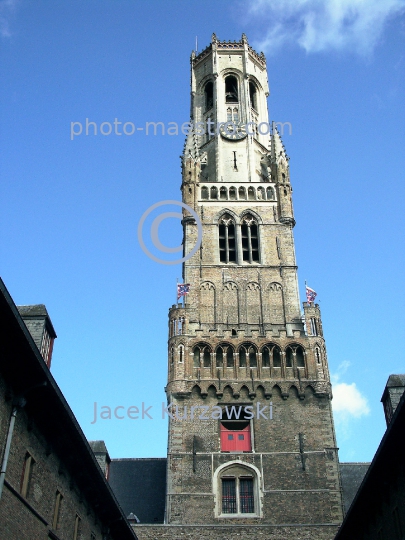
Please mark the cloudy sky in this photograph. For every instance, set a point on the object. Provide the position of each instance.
(70, 208)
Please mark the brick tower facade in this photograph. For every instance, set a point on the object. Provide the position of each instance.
(240, 339)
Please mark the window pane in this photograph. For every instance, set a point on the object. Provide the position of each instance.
(246, 496)
(228, 496)
(230, 437)
(241, 437)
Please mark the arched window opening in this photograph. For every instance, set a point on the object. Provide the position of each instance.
(231, 89)
(181, 351)
(229, 114)
(299, 357)
(253, 96)
(250, 239)
(234, 333)
(266, 357)
(242, 193)
(209, 96)
(260, 194)
(204, 193)
(222, 194)
(227, 243)
(252, 357)
(232, 194)
(276, 356)
(172, 356)
(207, 357)
(220, 357)
(197, 362)
(229, 357)
(214, 193)
(247, 353)
(270, 194)
(251, 194)
(238, 486)
(318, 356)
(235, 116)
(242, 357)
(289, 357)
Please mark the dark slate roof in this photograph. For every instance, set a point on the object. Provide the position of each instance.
(33, 311)
(140, 487)
(380, 481)
(98, 446)
(351, 475)
(395, 380)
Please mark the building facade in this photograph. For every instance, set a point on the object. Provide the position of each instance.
(251, 434)
(51, 485)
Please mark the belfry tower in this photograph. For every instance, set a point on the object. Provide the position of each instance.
(240, 340)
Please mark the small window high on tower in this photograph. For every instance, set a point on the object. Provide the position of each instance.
(231, 89)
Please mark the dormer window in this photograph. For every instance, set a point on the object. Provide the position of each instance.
(231, 89)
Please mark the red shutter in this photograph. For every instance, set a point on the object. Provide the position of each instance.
(235, 441)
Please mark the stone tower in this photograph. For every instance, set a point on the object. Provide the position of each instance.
(240, 339)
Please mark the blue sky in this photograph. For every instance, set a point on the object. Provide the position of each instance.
(70, 208)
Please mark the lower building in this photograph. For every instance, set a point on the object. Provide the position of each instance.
(50, 483)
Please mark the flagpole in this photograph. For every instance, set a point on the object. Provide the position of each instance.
(177, 291)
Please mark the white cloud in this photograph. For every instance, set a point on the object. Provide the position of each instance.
(7, 8)
(348, 401)
(322, 25)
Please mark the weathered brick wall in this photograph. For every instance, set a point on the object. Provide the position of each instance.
(31, 517)
(235, 532)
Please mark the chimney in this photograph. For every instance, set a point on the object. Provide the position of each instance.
(40, 327)
(392, 395)
(103, 458)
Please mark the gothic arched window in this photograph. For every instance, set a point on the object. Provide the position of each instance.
(229, 357)
(209, 95)
(250, 239)
(247, 352)
(202, 355)
(238, 488)
(181, 354)
(219, 357)
(227, 244)
(295, 356)
(204, 192)
(253, 96)
(231, 89)
(271, 355)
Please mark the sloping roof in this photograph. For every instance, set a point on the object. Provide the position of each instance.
(379, 481)
(395, 380)
(27, 374)
(140, 487)
(352, 475)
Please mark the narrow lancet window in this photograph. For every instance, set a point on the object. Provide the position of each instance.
(250, 239)
(231, 89)
(227, 244)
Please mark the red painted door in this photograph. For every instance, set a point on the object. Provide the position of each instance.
(235, 440)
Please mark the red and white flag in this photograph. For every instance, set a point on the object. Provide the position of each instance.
(311, 294)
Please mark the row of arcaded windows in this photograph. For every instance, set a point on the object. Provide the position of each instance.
(237, 194)
(248, 355)
(231, 93)
(228, 241)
